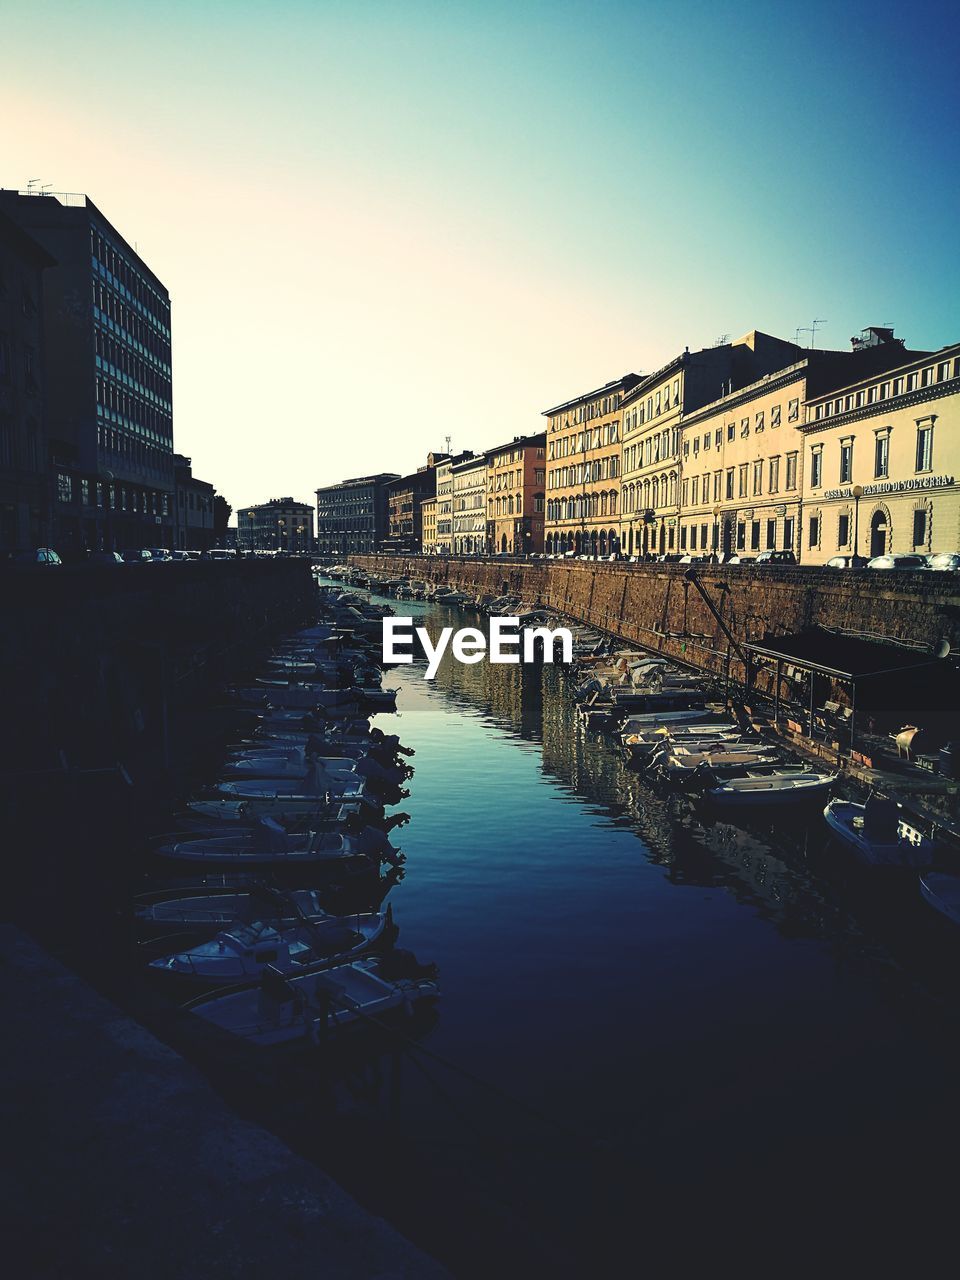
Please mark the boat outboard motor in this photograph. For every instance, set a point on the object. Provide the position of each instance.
(374, 842)
(881, 819)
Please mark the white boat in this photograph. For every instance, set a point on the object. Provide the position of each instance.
(313, 848)
(682, 765)
(757, 790)
(241, 952)
(335, 777)
(647, 741)
(286, 1010)
(206, 912)
(241, 810)
(666, 721)
(877, 833)
(943, 893)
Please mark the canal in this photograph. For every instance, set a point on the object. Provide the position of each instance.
(661, 1034)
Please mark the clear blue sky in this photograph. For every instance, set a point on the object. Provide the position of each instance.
(385, 223)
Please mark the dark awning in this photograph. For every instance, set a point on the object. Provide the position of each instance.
(846, 657)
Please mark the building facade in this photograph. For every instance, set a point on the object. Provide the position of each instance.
(352, 516)
(428, 525)
(109, 379)
(25, 496)
(193, 508)
(516, 495)
(404, 506)
(881, 456)
(583, 471)
(652, 414)
(469, 477)
(444, 538)
(742, 477)
(278, 525)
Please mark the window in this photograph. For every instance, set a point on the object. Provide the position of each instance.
(742, 480)
(744, 428)
(920, 527)
(814, 531)
(788, 533)
(755, 536)
(771, 534)
(758, 421)
(924, 446)
(741, 536)
(64, 487)
(816, 467)
(881, 455)
(843, 530)
(791, 480)
(793, 411)
(717, 482)
(731, 430)
(774, 415)
(774, 486)
(846, 460)
(719, 436)
(758, 477)
(729, 488)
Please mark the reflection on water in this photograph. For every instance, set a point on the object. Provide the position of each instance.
(668, 1009)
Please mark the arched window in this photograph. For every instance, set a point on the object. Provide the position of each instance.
(613, 502)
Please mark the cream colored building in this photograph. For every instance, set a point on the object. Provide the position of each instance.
(742, 457)
(428, 526)
(652, 414)
(881, 456)
(469, 476)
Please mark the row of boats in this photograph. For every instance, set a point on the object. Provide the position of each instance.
(273, 922)
(670, 723)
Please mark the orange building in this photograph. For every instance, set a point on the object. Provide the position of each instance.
(516, 480)
(583, 471)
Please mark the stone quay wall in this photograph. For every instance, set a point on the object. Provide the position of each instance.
(655, 606)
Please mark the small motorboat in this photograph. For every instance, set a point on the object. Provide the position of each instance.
(877, 833)
(762, 790)
(313, 848)
(241, 952)
(943, 893)
(205, 912)
(287, 1009)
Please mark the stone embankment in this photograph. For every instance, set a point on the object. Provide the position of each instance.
(655, 605)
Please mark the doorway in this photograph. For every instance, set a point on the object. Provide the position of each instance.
(878, 534)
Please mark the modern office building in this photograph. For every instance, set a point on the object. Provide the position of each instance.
(352, 515)
(25, 495)
(278, 525)
(106, 320)
(516, 481)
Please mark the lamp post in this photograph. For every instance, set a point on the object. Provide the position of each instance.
(857, 495)
(716, 532)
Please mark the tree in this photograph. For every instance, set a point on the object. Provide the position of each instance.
(221, 514)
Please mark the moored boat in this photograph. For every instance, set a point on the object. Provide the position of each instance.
(877, 833)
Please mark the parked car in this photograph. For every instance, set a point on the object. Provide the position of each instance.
(897, 562)
(160, 553)
(738, 559)
(944, 560)
(776, 557)
(136, 555)
(220, 553)
(38, 558)
(846, 562)
(105, 557)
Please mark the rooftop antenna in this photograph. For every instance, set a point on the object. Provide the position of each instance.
(723, 338)
(812, 330)
(31, 183)
(447, 442)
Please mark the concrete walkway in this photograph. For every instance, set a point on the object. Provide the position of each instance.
(122, 1161)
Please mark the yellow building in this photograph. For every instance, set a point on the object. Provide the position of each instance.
(516, 479)
(880, 459)
(428, 526)
(742, 456)
(583, 471)
(652, 413)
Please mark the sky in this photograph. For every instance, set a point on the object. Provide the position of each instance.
(385, 224)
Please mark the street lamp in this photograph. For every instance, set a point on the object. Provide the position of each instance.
(716, 532)
(857, 492)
